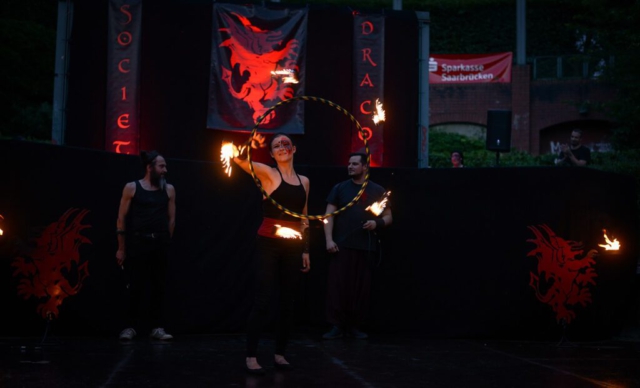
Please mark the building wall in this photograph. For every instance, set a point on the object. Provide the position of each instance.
(544, 111)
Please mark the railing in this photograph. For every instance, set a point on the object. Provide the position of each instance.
(569, 66)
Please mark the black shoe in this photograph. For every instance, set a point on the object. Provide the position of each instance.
(335, 333)
(282, 366)
(255, 372)
(355, 333)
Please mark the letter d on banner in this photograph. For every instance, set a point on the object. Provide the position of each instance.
(122, 134)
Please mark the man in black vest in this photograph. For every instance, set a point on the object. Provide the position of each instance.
(145, 225)
(576, 154)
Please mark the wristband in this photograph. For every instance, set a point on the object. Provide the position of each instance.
(120, 231)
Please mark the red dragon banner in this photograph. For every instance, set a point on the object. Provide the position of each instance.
(257, 61)
(53, 270)
(564, 272)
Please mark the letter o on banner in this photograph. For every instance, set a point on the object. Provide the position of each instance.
(368, 131)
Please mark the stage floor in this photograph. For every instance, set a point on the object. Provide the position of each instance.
(218, 361)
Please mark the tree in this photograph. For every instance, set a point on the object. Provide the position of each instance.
(610, 29)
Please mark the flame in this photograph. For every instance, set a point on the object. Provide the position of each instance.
(1, 231)
(610, 245)
(285, 232)
(288, 75)
(227, 152)
(378, 207)
(379, 114)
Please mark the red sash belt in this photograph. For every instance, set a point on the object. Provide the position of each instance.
(268, 227)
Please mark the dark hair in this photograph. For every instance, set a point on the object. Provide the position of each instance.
(280, 134)
(362, 155)
(579, 131)
(148, 157)
(458, 152)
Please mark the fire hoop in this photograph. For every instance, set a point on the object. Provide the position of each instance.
(362, 136)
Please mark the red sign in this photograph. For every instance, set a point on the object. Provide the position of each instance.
(123, 76)
(470, 68)
(368, 82)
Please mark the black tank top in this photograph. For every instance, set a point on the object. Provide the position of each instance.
(149, 210)
(290, 196)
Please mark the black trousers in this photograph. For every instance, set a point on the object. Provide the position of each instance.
(146, 269)
(279, 264)
(349, 288)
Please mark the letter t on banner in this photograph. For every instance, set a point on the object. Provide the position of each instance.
(368, 82)
(122, 133)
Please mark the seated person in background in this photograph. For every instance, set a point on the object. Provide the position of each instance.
(457, 159)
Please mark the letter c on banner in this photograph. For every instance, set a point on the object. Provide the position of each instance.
(121, 68)
(363, 110)
(368, 131)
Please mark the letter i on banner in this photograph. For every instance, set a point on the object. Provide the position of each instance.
(123, 76)
(368, 82)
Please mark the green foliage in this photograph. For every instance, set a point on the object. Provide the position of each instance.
(610, 29)
(441, 144)
(27, 75)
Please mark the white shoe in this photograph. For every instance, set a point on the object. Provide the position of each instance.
(160, 334)
(127, 334)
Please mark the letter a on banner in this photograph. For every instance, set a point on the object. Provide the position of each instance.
(368, 82)
(123, 76)
(257, 61)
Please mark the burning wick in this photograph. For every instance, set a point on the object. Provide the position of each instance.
(1, 231)
(285, 232)
(378, 207)
(610, 245)
(227, 152)
(288, 75)
(379, 113)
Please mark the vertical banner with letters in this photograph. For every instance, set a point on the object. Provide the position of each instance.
(368, 87)
(123, 76)
(257, 61)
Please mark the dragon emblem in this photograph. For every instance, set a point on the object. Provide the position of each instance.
(564, 273)
(255, 53)
(46, 270)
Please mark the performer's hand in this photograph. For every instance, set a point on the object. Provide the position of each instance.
(369, 225)
(120, 256)
(258, 140)
(306, 263)
(332, 247)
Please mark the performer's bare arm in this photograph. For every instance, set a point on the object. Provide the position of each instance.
(328, 229)
(265, 173)
(306, 260)
(125, 203)
(171, 212)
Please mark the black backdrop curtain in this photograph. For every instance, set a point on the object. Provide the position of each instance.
(454, 263)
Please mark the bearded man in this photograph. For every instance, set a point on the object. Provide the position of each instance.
(352, 239)
(146, 220)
